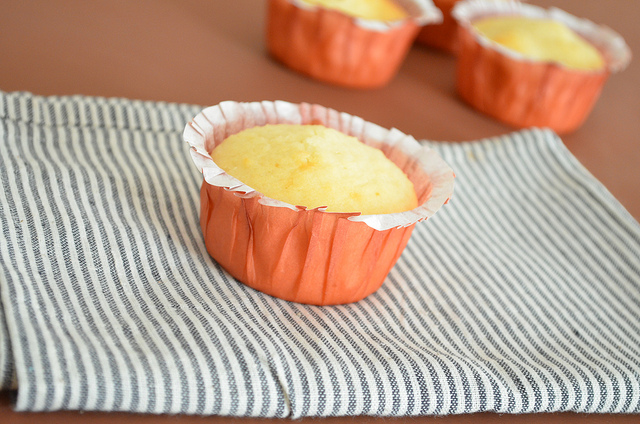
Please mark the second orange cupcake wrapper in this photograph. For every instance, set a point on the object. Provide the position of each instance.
(330, 46)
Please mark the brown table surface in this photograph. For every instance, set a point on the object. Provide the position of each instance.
(207, 51)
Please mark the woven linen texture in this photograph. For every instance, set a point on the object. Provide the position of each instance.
(520, 295)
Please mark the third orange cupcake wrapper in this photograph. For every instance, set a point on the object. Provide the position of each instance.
(527, 93)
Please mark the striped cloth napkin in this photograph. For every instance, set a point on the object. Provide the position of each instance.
(520, 295)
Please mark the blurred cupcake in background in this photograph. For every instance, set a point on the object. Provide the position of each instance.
(351, 43)
(527, 66)
(444, 35)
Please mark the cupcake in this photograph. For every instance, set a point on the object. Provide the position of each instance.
(325, 251)
(527, 66)
(442, 36)
(351, 43)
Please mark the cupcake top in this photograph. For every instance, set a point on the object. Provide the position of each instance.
(315, 166)
(541, 39)
(380, 10)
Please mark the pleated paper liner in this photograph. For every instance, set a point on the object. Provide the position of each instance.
(333, 47)
(442, 35)
(298, 254)
(522, 92)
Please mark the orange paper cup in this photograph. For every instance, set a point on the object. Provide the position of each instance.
(333, 47)
(444, 35)
(527, 93)
(298, 254)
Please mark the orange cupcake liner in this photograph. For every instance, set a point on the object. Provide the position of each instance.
(307, 255)
(336, 48)
(443, 36)
(526, 93)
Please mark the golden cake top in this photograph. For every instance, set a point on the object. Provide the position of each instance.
(380, 10)
(541, 39)
(313, 166)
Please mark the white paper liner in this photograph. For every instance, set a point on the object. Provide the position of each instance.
(615, 50)
(211, 126)
(422, 12)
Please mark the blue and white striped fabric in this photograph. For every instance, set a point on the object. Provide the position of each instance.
(520, 295)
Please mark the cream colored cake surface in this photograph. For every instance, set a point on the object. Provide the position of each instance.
(541, 39)
(381, 10)
(312, 166)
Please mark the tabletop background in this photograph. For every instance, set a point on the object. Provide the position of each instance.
(204, 52)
